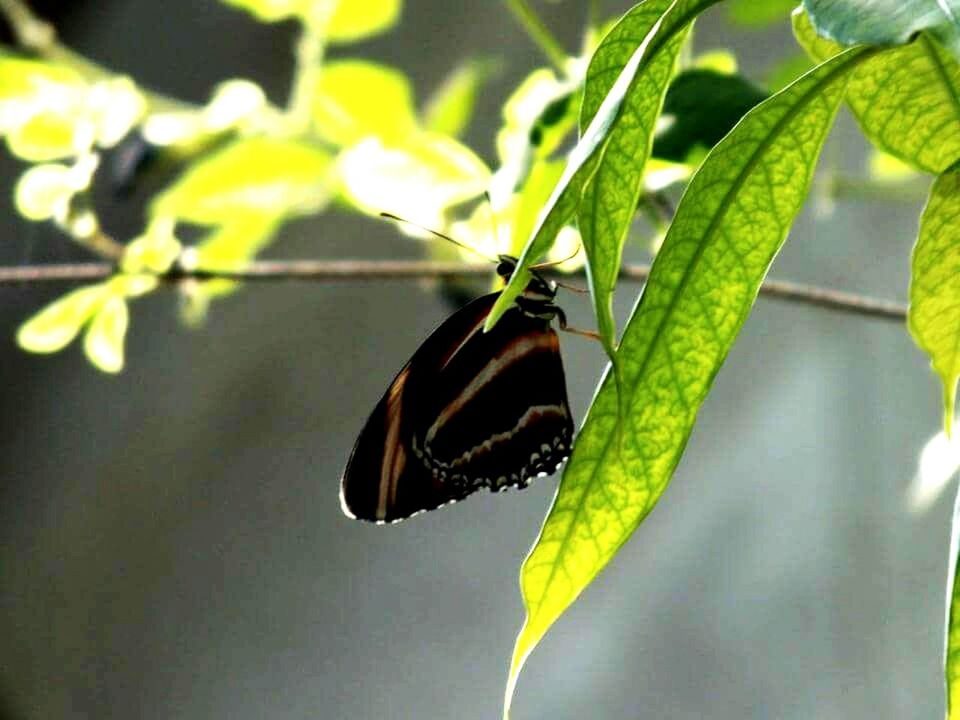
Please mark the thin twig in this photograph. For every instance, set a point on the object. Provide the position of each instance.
(339, 270)
(538, 32)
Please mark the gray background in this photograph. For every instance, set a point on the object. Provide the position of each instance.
(171, 545)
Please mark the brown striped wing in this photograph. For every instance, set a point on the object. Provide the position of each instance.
(470, 410)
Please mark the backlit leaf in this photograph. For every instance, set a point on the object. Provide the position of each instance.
(934, 316)
(57, 324)
(584, 157)
(419, 180)
(906, 99)
(449, 109)
(354, 99)
(731, 221)
(356, 19)
(103, 343)
(610, 197)
(256, 175)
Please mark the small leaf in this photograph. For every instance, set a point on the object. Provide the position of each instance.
(269, 10)
(153, 252)
(56, 325)
(227, 247)
(419, 180)
(731, 221)
(103, 343)
(610, 198)
(255, 175)
(906, 99)
(537, 117)
(44, 191)
(31, 80)
(48, 136)
(885, 22)
(934, 316)
(786, 70)
(449, 109)
(354, 20)
(887, 168)
(355, 99)
(566, 197)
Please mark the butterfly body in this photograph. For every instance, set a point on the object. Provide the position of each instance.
(470, 410)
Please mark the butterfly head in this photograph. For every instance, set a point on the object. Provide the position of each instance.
(539, 288)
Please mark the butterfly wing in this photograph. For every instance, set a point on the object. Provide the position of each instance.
(470, 410)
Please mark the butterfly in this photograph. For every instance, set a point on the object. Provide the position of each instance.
(470, 410)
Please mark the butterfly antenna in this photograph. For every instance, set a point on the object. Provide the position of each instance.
(435, 233)
(571, 256)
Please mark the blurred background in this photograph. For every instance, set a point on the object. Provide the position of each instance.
(172, 546)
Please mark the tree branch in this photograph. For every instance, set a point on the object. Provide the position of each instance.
(353, 270)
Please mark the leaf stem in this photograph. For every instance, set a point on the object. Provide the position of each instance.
(309, 56)
(538, 32)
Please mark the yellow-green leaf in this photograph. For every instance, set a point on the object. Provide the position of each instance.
(731, 221)
(934, 316)
(228, 247)
(610, 197)
(256, 175)
(270, 10)
(357, 19)
(57, 324)
(449, 109)
(29, 80)
(594, 141)
(419, 180)
(354, 99)
(906, 99)
(103, 343)
(153, 252)
(49, 136)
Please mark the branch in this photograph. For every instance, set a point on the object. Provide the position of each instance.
(339, 270)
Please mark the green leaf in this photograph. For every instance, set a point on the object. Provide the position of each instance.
(449, 109)
(338, 21)
(952, 639)
(419, 180)
(584, 157)
(256, 175)
(48, 136)
(885, 22)
(103, 343)
(537, 117)
(610, 198)
(29, 81)
(57, 324)
(731, 221)
(906, 99)
(759, 13)
(702, 106)
(357, 19)
(354, 99)
(934, 316)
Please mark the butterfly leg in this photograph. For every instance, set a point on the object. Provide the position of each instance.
(562, 319)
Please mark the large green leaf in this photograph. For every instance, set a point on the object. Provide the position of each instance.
(907, 99)
(934, 316)
(885, 22)
(252, 176)
(610, 198)
(584, 157)
(731, 221)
